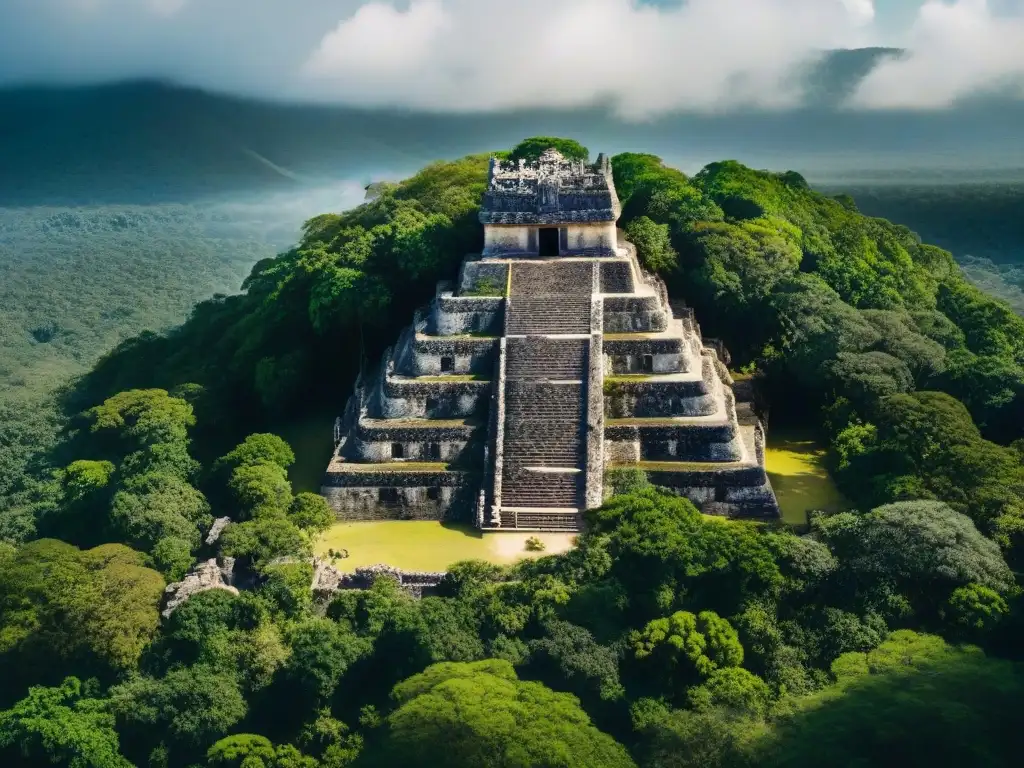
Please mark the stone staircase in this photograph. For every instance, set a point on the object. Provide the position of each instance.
(540, 359)
(545, 520)
(544, 447)
(556, 278)
(544, 450)
(548, 314)
(543, 424)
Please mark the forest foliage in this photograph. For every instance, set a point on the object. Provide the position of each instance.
(76, 281)
(665, 638)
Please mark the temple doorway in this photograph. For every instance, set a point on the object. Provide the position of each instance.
(548, 241)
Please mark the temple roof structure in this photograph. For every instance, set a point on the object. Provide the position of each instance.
(554, 190)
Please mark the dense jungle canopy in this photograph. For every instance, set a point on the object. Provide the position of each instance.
(887, 634)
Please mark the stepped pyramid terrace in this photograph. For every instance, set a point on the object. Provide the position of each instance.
(551, 361)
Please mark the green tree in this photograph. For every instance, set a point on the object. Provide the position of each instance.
(330, 741)
(687, 648)
(96, 608)
(83, 479)
(532, 148)
(574, 660)
(189, 707)
(261, 489)
(480, 714)
(312, 513)
(919, 549)
(156, 506)
(264, 539)
(733, 689)
(256, 449)
(321, 651)
(707, 738)
(913, 701)
(241, 749)
(60, 726)
(172, 556)
(143, 418)
(975, 609)
(653, 244)
(248, 750)
(668, 556)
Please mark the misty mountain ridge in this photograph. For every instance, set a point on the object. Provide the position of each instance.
(148, 141)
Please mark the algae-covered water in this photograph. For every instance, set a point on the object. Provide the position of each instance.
(796, 468)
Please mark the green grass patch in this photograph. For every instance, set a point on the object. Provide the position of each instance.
(611, 383)
(399, 466)
(429, 545)
(678, 466)
(796, 468)
(424, 423)
(632, 336)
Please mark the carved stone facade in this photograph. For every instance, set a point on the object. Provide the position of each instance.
(552, 360)
(555, 207)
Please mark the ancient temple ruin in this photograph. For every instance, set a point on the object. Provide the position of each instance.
(553, 360)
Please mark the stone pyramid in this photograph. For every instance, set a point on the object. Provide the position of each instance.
(553, 360)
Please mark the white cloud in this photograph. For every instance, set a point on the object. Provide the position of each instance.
(862, 10)
(491, 54)
(956, 50)
(641, 57)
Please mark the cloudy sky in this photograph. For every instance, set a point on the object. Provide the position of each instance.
(643, 58)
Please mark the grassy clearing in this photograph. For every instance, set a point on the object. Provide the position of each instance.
(397, 466)
(679, 466)
(423, 423)
(430, 546)
(797, 472)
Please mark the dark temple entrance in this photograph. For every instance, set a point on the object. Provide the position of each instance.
(548, 241)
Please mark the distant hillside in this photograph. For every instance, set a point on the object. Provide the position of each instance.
(149, 142)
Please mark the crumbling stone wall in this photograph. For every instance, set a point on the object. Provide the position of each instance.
(645, 399)
(328, 580)
(203, 576)
(400, 496)
(633, 314)
(457, 315)
(597, 239)
(510, 240)
(464, 356)
(668, 355)
(477, 274)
